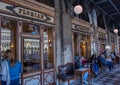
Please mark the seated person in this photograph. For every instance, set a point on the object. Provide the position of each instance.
(76, 58)
(85, 76)
(106, 62)
(95, 67)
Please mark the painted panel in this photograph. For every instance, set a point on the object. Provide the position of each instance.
(49, 78)
(34, 80)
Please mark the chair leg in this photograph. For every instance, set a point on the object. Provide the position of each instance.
(59, 81)
(68, 82)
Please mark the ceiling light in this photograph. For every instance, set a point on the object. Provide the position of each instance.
(78, 9)
(115, 30)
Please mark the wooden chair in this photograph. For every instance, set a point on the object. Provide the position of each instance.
(66, 72)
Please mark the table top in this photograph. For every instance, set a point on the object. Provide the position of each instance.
(82, 70)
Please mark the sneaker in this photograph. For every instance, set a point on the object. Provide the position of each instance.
(85, 82)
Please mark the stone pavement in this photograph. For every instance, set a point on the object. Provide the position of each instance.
(105, 77)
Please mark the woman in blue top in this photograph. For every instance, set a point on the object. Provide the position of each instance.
(15, 68)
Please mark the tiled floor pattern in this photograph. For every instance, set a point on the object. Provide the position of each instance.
(106, 77)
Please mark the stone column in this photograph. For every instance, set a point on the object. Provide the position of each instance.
(116, 43)
(94, 35)
(63, 33)
(63, 30)
(107, 36)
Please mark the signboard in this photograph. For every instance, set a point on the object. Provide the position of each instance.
(80, 28)
(25, 12)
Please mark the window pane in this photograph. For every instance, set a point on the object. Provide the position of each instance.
(8, 32)
(31, 56)
(30, 28)
(48, 55)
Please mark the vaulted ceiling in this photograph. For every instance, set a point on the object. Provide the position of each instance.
(110, 8)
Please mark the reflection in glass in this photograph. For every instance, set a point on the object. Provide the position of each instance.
(75, 43)
(48, 54)
(30, 28)
(8, 32)
(31, 56)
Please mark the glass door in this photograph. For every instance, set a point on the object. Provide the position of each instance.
(83, 47)
(48, 54)
(31, 55)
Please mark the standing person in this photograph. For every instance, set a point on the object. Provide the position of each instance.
(15, 68)
(5, 78)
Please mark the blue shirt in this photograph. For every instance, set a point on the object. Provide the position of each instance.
(15, 70)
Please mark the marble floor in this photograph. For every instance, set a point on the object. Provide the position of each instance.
(105, 77)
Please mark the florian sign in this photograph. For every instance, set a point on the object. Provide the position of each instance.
(25, 12)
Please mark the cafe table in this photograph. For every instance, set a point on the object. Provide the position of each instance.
(81, 72)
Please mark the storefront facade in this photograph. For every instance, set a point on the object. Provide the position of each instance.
(81, 35)
(30, 33)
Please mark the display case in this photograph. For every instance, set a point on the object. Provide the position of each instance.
(31, 55)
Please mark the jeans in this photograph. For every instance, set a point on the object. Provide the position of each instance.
(95, 68)
(14, 82)
(110, 65)
(85, 76)
(3, 82)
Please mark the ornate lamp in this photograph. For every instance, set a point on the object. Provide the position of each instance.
(115, 30)
(78, 9)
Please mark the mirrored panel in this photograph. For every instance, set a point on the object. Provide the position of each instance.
(31, 28)
(31, 56)
(8, 30)
(48, 54)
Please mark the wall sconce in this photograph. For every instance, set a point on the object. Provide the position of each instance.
(78, 9)
(11, 45)
(115, 30)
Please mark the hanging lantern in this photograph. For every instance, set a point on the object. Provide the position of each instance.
(115, 30)
(78, 9)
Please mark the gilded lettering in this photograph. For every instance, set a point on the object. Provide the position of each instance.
(35, 14)
(38, 16)
(20, 10)
(28, 13)
(42, 16)
(23, 11)
(32, 14)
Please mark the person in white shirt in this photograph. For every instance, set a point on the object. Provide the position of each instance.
(5, 77)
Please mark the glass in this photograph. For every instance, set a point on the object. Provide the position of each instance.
(48, 55)
(83, 50)
(31, 55)
(88, 47)
(31, 28)
(8, 32)
(75, 43)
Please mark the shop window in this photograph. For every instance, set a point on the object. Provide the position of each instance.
(75, 43)
(8, 38)
(48, 55)
(83, 51)
(31, 28)
(31, 55)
